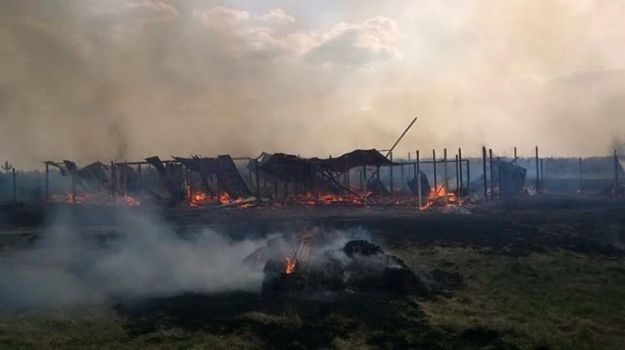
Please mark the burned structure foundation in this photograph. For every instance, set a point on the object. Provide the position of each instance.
(363, 177)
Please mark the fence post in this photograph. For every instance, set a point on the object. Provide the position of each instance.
(434, 167)
(418, 175)
(14, 186)
(484, 172)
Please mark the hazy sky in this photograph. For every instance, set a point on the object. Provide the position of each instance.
(125, 79)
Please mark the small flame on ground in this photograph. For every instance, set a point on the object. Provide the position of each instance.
(199, 198)
(131, 201)
(439, 196)
(289, 266)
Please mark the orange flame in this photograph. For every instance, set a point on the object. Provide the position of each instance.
(289, 267)
(224, 198)
(439, 196)
(131, 201)
(199, 198)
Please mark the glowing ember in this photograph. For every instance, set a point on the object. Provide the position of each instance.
(311, 199)
(198, 198)
(224, 198)
(131, 201)
(289, 267)
(99, 198)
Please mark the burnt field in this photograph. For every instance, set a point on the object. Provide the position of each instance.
(542, 272)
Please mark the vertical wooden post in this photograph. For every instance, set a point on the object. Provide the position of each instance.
(445, 174)
(125, 178)
(460, 169)
(391, 175)
(401, 177)
(315, 184)
(515, 155)
(113, 180)
(499, 177)
(492, 181)
(140, 181)
(484, 173)
(206, 184)
(434, 167)
(14, 186)
(616, 184)
(218, 187)
(249, 172)
(257, 174)
(418, 175)
(537, 171)
(360, 178)
(73, 188)
(47, 182)
(468, 178)
(457, 174)
(365, 185)
(186, 184)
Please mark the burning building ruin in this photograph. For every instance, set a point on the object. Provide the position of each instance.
(360, 177)
(363, 177)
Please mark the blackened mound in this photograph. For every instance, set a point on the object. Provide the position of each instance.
(361, 247)
(360, 266)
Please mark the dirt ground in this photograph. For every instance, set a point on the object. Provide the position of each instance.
(539, 273)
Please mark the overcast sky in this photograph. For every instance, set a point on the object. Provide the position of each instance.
(126, 79)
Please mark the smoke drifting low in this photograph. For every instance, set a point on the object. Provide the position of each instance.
(141, 256)
(147, 260)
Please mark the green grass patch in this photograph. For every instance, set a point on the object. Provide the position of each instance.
(557, 299)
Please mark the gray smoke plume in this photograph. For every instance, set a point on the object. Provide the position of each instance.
(215, 77)
(141, 256)
(146, 259)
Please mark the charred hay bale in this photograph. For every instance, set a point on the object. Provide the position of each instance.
(327, 277)
(361, 247)
(370, 269)
(360, 266)
(273, 283)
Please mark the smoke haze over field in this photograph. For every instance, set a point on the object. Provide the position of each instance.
(126, 79)
(139, 255)
(148, 259)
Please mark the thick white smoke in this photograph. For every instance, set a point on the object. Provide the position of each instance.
(148, 259)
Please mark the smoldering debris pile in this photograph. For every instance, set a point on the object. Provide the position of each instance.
(359, 266)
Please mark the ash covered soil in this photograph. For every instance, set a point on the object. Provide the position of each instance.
(537, 273)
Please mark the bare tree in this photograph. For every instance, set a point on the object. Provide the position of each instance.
(6, 166)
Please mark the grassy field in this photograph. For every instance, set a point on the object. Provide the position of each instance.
(548, 300)
(537, 275)
(556, 299)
